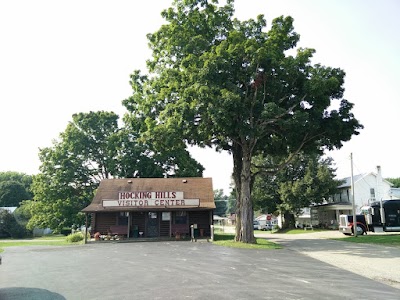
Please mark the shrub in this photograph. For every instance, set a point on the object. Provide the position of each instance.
(75, 237)
(65, 231)
(9, 227)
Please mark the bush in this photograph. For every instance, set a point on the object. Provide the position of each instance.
(66, 231)
(75, 237)
(9, 227)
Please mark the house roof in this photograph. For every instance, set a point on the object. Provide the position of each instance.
(10, 209)
(192, 188)
(347, 180)
(334, 205)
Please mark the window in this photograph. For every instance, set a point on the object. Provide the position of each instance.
(372, 193)
(123, 218)
(166, 216)
(180, 217)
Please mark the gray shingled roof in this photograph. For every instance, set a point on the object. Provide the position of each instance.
(347, 180)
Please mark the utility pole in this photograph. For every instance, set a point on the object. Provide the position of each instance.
(353, 200)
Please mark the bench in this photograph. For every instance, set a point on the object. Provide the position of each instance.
(119, 229)
(180, 228)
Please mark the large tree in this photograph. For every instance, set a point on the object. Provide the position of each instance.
(92, 148)
(394, 181)
(24, 179)
(308, 179)
(215, 80)
(9, 227)
(14, 188)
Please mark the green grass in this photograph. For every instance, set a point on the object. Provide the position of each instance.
(386, 240)
(227, 240)
(49, 240)
(264, 231)
(299, 231)
(51, 237)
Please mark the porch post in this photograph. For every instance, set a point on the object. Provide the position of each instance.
(86, 223)
(129, 225)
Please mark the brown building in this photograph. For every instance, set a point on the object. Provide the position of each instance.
(152, 207)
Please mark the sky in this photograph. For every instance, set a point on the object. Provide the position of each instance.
(58, 58)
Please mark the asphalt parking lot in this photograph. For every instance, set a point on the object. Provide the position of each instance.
(176, 270)
(377, 262)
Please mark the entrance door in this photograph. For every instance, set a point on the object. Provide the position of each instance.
(152, 224)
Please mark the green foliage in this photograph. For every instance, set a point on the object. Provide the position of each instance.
(75, 237)
(93, 148)
(25, 180)
(306, 180)
(231, 209)
(23, 213)
(66, 231)
(311, 180)
(221, 202)
(265, 191)
(395, 181)
(215, 80)
(10, 227)
(72, 169)
(14, 188)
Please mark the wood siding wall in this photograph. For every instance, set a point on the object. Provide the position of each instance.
(202, 219)
(104, 221)
(101, 222)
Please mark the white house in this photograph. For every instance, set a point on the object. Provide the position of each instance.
(368, 188)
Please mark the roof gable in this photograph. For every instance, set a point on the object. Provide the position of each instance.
(347, 180)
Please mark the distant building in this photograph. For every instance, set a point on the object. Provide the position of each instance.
(10, 209)
(395, 193)
(368, 188)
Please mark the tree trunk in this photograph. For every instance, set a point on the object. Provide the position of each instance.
(246, 234)
(289, 221)
(237, 171)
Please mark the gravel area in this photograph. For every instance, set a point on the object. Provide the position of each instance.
(380, 263)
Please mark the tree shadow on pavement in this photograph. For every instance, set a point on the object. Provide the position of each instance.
(22, 293)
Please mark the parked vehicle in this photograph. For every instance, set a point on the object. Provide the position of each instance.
(256, 225)
(381, 216)
(262, 225)
(346, 224)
